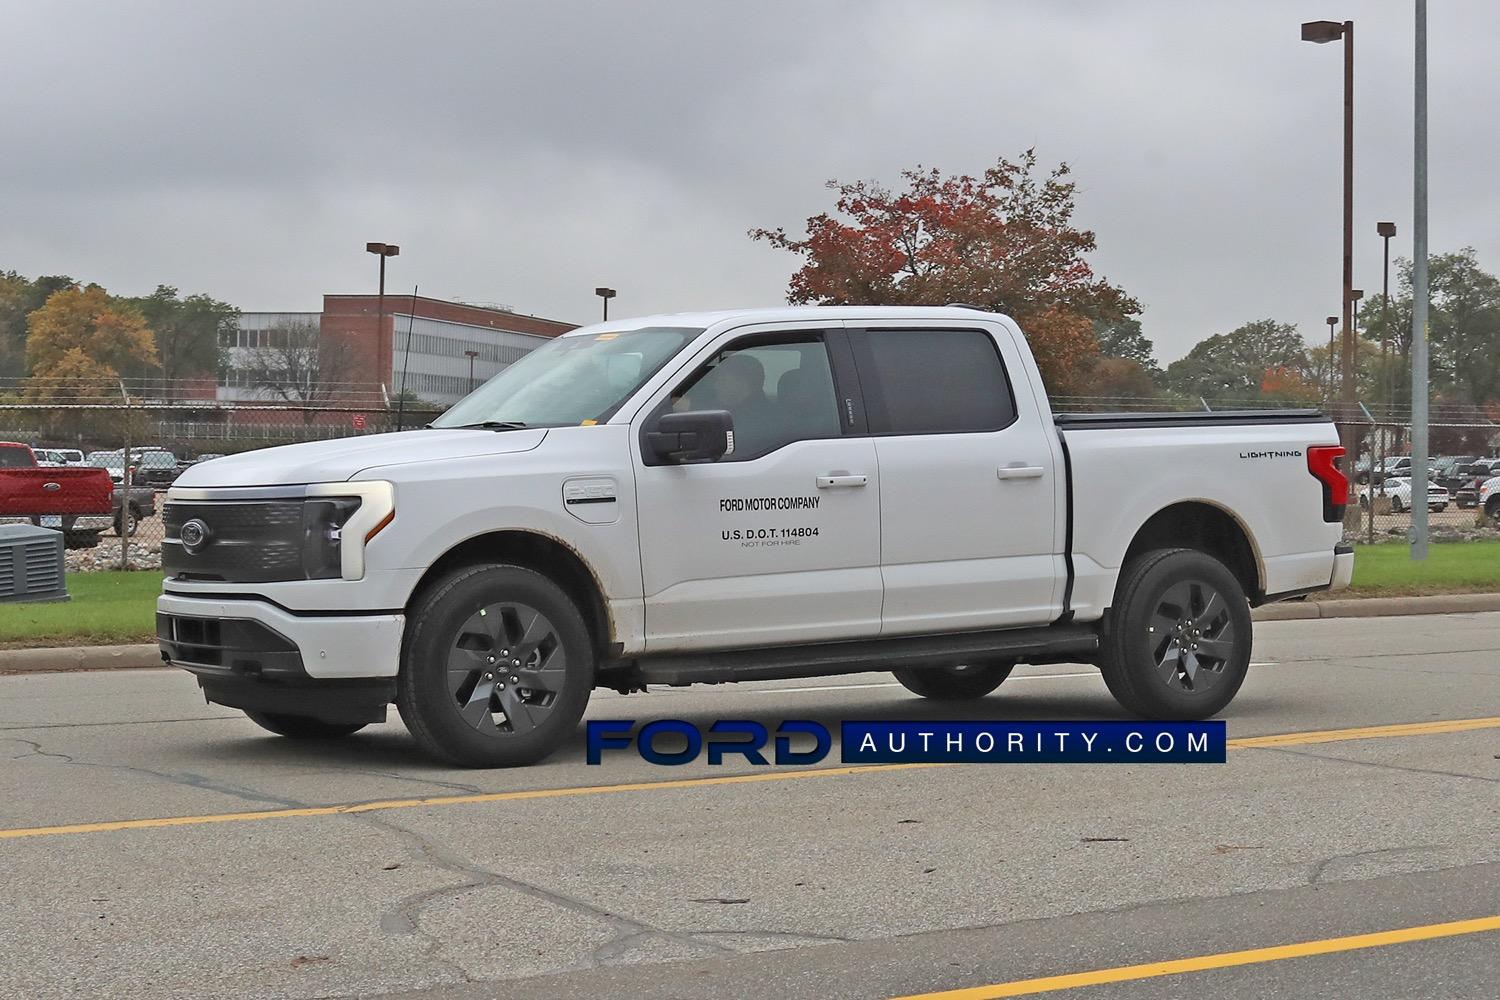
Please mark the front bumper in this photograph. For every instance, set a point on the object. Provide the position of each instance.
(1343, 567)
(325, 646)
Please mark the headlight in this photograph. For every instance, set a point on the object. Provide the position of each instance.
(323, 521)
(338, 521)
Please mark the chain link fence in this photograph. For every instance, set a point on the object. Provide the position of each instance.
(166, 438)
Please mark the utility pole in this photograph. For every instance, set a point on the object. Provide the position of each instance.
(1419, 296)
(123, 525)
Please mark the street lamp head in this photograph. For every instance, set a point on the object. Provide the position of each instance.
(1355, 294)
(1332, 321)
(605, 293)
(382, 249)
(1386, 229)
(1322, 31)
(471, 354)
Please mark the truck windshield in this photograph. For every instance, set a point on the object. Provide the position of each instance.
(570, 381)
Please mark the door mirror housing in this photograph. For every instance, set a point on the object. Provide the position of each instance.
(694, 436)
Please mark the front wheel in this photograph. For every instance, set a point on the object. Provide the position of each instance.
(1178, 641)
(961, 683)
(1396, 507)
(498, 667)
(302, 727)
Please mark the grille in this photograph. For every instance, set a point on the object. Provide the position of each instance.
(43, 571)
(253, 541)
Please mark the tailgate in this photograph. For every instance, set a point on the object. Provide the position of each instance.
(55, 491)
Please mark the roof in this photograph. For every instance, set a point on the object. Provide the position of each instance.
(789, 314)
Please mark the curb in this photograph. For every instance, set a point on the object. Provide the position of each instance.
(1377, 607)
(143, 655)
(65, 658)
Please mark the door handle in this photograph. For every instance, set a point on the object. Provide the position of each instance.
(828, 482)
(1020, 472)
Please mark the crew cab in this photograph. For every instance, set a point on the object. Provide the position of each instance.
(73, 499)
(731, 496)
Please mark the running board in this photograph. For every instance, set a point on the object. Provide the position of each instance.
(1047, 644)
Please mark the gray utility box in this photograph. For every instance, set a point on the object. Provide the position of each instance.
(31, 564)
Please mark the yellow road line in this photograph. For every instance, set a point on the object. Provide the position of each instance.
(1285, 739)
(1223, 960)
(452, 800)
(1367, 733)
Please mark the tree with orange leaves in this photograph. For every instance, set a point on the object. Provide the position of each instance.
(81, 339)
(1004, 241)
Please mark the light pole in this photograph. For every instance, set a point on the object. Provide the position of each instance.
(606, 294)
(1385, 230)
(1419, 292)
(1320, 32)
(381, 250)
(471, 355)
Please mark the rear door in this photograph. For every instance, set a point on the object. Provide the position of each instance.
(779, 540)
(969, 484)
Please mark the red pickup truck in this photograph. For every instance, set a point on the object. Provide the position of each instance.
(77, 500)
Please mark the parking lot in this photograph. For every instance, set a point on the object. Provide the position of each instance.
(157, 847)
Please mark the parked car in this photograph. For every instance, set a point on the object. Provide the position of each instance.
(1472, 476)
(208, 457)
(74, 500)
(156, 467)
(58, 456)
(1489, 497)
(1445, 471)
(1399, 490)
(744, 495)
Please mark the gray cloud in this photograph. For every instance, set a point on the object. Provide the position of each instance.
(523, 153)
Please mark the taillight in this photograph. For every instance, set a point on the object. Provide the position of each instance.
(1325, 462)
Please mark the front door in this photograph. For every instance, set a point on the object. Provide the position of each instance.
(778, 541)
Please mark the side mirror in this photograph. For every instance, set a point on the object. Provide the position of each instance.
(695, 436)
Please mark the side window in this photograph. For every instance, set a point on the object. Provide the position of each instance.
(933, 381)
(778, 389)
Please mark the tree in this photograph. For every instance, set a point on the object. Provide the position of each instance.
(299, 365)
(19, 298)
(1234, 365)
(1119, 379)
(1003, 241)
(1121, 337)
(81, 335)
(190, 332)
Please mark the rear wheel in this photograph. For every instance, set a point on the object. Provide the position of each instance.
(1395, 504)
(128, 521)
(498, 667)
(302, 727)
(1178, 641)
(960, 683)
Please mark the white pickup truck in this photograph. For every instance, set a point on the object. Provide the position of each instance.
(745, 495)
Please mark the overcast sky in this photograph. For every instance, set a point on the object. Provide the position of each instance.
(524, 153)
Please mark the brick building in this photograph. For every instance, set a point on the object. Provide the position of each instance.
(346, 353)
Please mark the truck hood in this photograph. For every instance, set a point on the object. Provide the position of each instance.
(344, 458)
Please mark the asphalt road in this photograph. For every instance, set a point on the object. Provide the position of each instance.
(813, 884)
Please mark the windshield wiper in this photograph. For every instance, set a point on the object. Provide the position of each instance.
(488, 425)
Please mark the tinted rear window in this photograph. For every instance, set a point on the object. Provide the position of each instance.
(932, 381)
(15, 458)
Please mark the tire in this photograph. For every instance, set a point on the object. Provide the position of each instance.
(81, 540)
(129, 519)
(302, 727)
(1492, 508)
(1167, 599)
(954, 683)
(452, 692)
(1396, 507)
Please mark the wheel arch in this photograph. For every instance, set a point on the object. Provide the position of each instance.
(542, 553)
(1209, 528)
